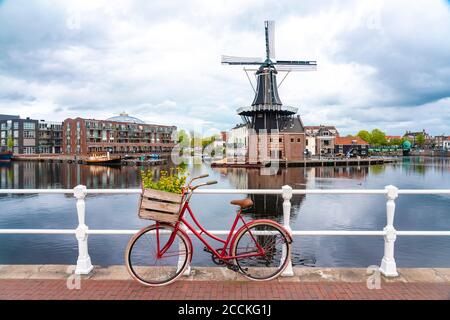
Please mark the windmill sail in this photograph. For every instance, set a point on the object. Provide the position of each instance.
(241, 60)
(286, 68)
(296, 62)
(295, 65)
(270, 40)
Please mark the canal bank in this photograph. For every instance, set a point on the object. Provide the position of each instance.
(326, 162)
(135, 160)
(57, 282)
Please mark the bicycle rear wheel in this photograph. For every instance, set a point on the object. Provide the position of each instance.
(276, 244)
(143, 262)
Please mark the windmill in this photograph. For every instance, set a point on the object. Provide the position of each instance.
(267, 110)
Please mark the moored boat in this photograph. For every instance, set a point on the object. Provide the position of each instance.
(5, 155)
(103, 159)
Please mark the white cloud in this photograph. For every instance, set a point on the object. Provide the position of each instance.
(380, 63)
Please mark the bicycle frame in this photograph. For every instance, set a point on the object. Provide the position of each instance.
(223, 254)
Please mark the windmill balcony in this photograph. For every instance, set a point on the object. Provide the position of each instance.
(265, 107)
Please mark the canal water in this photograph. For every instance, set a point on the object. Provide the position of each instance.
(311, 212)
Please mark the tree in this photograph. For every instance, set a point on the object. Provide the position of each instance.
(207, 141)
(396, 142)
(365, 135)
(378, 138)
(420, 140)
(183, 138)
(10, 142)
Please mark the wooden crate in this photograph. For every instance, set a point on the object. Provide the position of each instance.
(159, 205)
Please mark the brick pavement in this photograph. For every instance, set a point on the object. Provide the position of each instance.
(226, 290)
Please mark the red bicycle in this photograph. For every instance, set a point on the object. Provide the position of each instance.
(158, 254)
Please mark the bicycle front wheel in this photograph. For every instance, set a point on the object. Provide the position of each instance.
(150, 268)
(275, 243)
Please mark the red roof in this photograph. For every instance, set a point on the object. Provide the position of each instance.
(393, 137)
(349, 140)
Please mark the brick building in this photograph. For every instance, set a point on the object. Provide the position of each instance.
(121, 135)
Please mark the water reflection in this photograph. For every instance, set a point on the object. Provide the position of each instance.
(421, 165)
(310, 212)
(266, 205)
(298, 178)
(42, 175)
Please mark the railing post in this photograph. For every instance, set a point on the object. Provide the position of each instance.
(287, 195)
(84, 265)
(388, 265)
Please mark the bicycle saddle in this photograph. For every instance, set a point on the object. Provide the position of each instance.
(244, 203)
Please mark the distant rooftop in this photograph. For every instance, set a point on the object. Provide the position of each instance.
(8, 117)
(124, 117)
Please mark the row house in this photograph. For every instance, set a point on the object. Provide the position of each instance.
(49, 137)
(412, 137)
(118, 135)
(320, 140)
(22, 132)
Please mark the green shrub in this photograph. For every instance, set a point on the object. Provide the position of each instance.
(170, 181)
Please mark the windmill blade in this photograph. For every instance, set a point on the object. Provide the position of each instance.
(296, 62)
(288, 68)
(270, 39)
(294, 65)
(241, 60)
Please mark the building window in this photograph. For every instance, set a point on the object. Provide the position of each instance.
(292, 139)
(298, 139)
(16, 125)
(27, 134)
(29, 126)
(28, 150)
(307, 141)
(280, 140)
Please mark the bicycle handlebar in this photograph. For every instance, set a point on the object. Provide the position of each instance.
(195, 178)
(201, 184)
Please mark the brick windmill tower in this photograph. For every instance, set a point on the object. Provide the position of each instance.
(267, 114)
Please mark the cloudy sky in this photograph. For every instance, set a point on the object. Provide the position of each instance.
(382, 64)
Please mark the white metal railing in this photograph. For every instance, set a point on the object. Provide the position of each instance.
(388, 266)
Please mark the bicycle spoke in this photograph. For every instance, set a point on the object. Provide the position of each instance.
(271, 260)
(143, 260)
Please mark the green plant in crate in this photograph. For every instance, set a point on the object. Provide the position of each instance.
(170, 181)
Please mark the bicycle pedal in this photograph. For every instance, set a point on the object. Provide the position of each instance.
(207, 250)
(233, 267)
